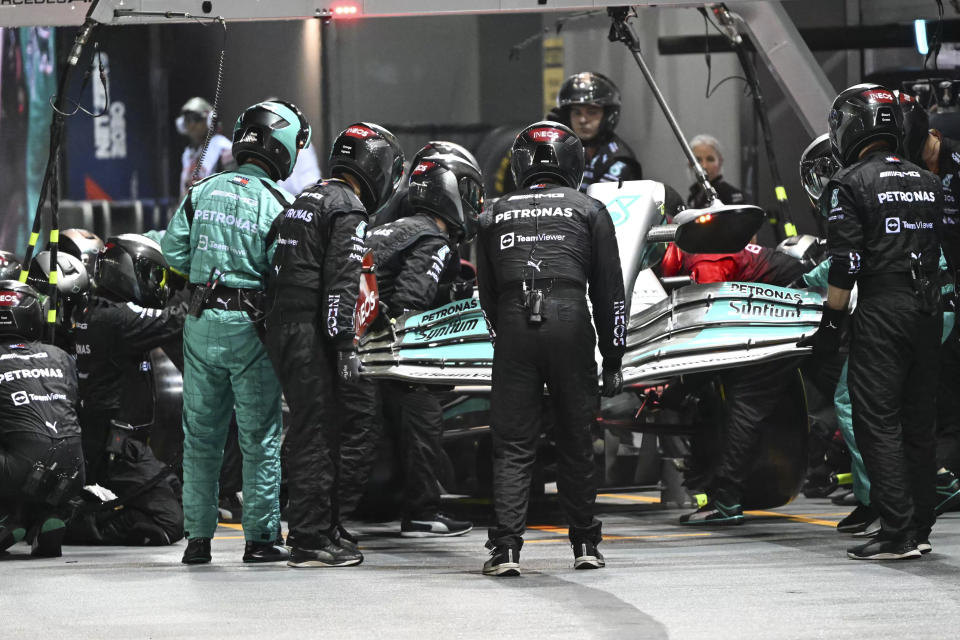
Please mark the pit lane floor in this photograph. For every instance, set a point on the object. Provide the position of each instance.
(783, 574)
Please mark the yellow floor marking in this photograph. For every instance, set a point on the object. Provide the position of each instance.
(228, 538)
(610, 538)
(238, 527)
(624, 496)
(795, 517)
(548, 528)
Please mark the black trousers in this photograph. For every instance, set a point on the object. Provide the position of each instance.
(752, 393)
(559, 353)
(305, 366)
(18, 454)
(893, 380)
(415, 413)
(360, 431)
(948, 404)
(332, 436)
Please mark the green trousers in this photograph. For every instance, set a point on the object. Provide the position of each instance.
(226, 369)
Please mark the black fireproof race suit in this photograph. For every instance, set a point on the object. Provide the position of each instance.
(558, 241)
(38, 423)
(312, 295)
(882, 228)
(113, 341)
(612, 161)
(412, 255)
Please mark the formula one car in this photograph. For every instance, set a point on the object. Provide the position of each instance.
(679, 335)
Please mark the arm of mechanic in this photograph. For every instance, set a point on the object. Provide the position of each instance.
(486, 282)
(145, 328)
(419, 278)
(606, 290)
(176, 241)
(341, 275)
(844, 244)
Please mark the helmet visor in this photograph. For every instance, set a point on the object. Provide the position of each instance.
(152, 277)
(816, 173)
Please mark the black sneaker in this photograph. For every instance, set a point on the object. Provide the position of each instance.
(714, 512)
(924, 546)
(47, 537)
(948, 492)
(871, 530)
(504, 562)
(264, 552)
(881, 549)
(586, 556)
(343, 538)
(197, 551)
(437, 525)
(858, 520)
(327, 554)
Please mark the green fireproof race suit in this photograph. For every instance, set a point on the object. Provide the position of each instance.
(224, 224)
(841, 397)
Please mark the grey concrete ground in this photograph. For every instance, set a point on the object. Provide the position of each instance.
(782, 575)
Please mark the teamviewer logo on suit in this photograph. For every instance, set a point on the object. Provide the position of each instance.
(893, 225)
(507, 240)
(20, 398)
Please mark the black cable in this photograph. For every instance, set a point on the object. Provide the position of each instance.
(933, 48)
(212, 128)
(708, 92)
(557, 27)
(77, 107)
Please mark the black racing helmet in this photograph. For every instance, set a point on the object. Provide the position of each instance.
(9, 266)
(450, 188)
(547, 151)
(372, 155)
(862, 114)
(442, 147)
(916, 126)
(72, 279)
(132, 269)
(21, 310)
(82, 244)
(817, 166)
(589, 87)
(273, 132)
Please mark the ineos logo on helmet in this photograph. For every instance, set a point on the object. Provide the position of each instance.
(546, 134)
(359, 132)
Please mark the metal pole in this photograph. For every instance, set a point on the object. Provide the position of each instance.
(621, 31)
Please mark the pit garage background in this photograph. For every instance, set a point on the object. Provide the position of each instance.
(474, 79)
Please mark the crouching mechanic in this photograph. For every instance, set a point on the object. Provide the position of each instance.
(411, 256)
(41, 459)
(752, 392)
(223, 237)
(310, 335)
(115, 329)
(539, 249)
(882, 236)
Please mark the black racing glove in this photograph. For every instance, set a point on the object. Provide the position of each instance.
(612, 382)
(826, 339)
(348, 365)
